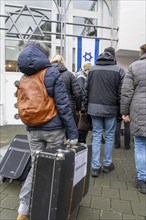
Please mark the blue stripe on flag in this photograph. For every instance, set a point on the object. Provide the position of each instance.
(79, 55)
(96, 50)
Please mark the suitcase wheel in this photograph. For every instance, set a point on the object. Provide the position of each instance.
(4, 179)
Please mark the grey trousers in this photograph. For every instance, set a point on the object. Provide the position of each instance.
(38, 140)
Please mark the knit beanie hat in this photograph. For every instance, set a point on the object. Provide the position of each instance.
(110, 50)
(143, 49)
(87, 66)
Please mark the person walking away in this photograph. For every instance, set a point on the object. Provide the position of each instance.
(32, 59)
(72, 87)
(133, 109)
(81, 77)
(103, 92)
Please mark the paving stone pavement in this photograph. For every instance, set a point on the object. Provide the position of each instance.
(111, 196)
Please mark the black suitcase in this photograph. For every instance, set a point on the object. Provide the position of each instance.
(60, 181)
(16, 163)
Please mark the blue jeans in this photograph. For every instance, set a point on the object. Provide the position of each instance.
(98, 124)
(140, 157)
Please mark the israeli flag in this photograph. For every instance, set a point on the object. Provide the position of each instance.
(87, 51)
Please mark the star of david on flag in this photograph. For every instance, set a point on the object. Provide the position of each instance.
(87, 51)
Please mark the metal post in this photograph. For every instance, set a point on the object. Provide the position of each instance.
(65, 12)
(2, 65)
(60, 18)
(112, 23)
(111, 19)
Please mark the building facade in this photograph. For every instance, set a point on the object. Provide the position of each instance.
(58, 23)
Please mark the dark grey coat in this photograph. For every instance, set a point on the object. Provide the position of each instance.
(133, 96)
(103, 87)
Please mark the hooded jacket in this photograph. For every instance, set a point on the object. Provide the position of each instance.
(133, 96)
(33, 59)
(72, 87)
(103, 86)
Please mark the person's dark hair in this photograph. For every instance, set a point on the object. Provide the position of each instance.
(40, 45)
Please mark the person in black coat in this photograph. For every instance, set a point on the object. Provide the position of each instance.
(72, 86)
(103, 95)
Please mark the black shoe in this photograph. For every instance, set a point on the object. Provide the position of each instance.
(109, 168)
(117, 147)
(127, 148)
(141, 185)
(95, 172)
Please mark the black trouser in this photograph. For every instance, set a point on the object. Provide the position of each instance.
(126, 135)
(82, 136)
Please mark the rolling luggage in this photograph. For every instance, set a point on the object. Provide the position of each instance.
(60, 181)
(16, 163)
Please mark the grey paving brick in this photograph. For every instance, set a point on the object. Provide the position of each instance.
(86, 201)
(88, 214)
(109, 215)
(110, 193)
(130, 170)
(121, 206)
(7, 214)
(95, 191)
(10, 201)
(91, 182)
(3, 186)
(100, 203)
(124, 177)
(119, 169)
(118, 184)
(2, 196)
(132, 217)
(101, 182)
(129, 195)
(139, 208)
(131, 185)
(13, 188)
(142, 197)
(110, 176)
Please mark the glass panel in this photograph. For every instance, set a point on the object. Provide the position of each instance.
(84, 5)
(11, 52)
(81, 30)
(36, 3)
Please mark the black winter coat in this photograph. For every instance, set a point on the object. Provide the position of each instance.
(103, 87)
(72, 87)
(31, 60)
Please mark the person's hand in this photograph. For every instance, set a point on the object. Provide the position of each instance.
(83, 110)
(126, 118)
(72, 142)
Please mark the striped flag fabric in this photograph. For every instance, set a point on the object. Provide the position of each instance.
(87, 51)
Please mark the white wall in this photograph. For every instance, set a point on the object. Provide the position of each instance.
(124, 62)
(10, 99)
(131, 22)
